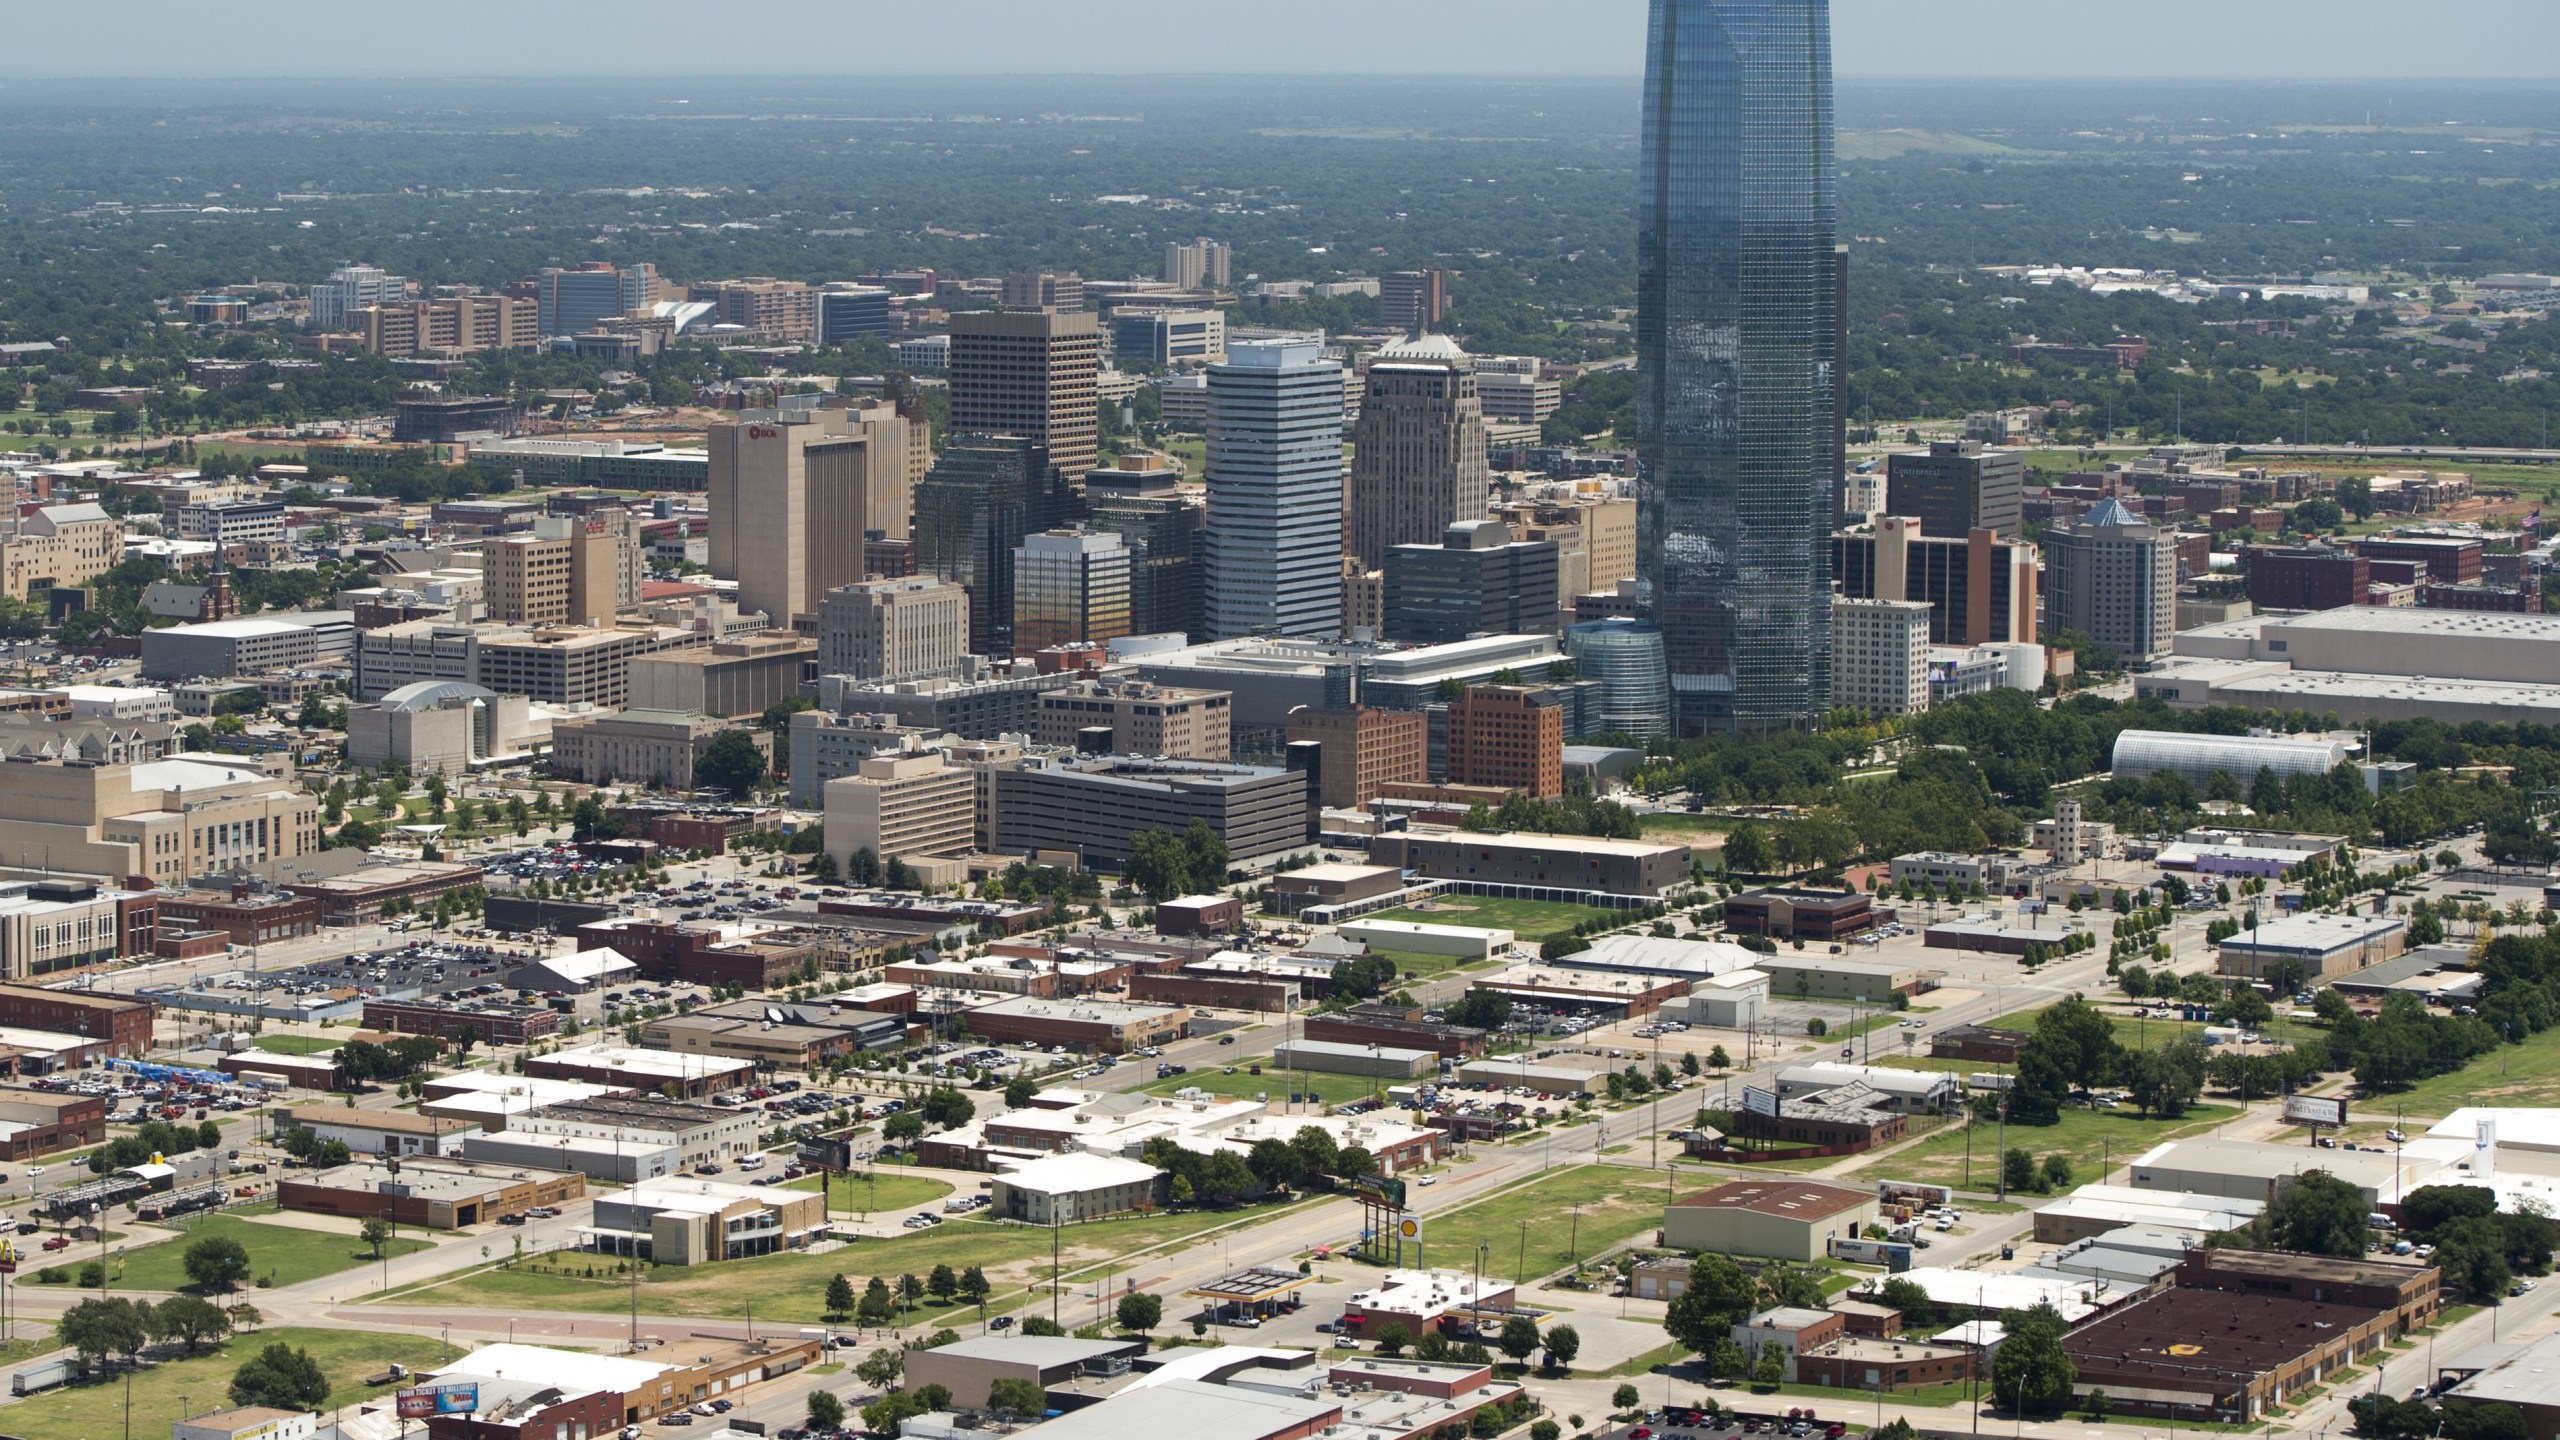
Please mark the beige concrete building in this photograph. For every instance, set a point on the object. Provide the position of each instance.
(1595, 542)
(1880, 655)
(168, 820)
(567, 664)
(648, 747)
(1143, 719)
(449, 325)
(767, 308)
(59, 545)
(569, 571)
(442, 727)
(903, 805)
(893, 629)
(1417, 464)
(1030, 373)
(730, 677)
(793, 494)
(685, 1221)
(1779, 1219)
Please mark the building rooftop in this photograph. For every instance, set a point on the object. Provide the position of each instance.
(2315, 932)
(633, 1060)
(1530, 840)
(1108, 1012)
(578, 1370)
(1042, 1351)
(1076, 1172)
(1788, 1199)
(2210, 1338)
(2524, 1375)
(426, 1179)
(1189, 1407)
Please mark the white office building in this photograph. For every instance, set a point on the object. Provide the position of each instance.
(1274, 541)
(1880, 655)
(350, 288)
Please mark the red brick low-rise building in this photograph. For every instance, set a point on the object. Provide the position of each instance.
(486, 1024)
(122, 1022)
(43, 1122)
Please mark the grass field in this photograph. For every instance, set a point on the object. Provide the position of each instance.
(854, 1195)
(291, 1255)
(296, 1044)
(1413, 966)
(2088, 1137)
(1012, 1256)
(169, 1391)
(1532, 920)
(1277, 1083)
(1616, 1203)
(2525, 1075)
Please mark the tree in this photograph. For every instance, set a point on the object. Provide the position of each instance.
(1689, 1063)
(2018, 1170)
(882, 1367)
(1275, 1163)
(948, 1108)
(1016, 1396)
(2032, 1374)
(1771, 1367)
(1747, 850)
(1393, 1337)
(216, 1263)
(375, 1232)
(2318, 1214)
(1624, 1398)
(826, 1412)
(189, 1320)
(1563, 1342)
(1140, 1311)
(1519, 1338)
(840, 1298)
(973, 1285)
(732, 762)
(1041, 1325)
(1720, 1296)
(1725, 1360)
(1718, 1060)
(1318, 1157)
(903, 1126)
(1481, 1009)
(941, 1283)
(876, 1303)
(1019, 1090)
(102, 1329)
(283, 1377)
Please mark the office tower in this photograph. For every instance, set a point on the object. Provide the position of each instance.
(350, 288)
(452, 325)
(985, 493)
(1045, 290)
(1958, 487)
(568, 571)
(1417, 460)
(2306, 577)
(1880, 655)
(1734, 340)
(794, 493)
(1203, 262)
(902, 805)
(854, 313)
(1515, 391)
(1364, 751)
(1274, 547)
(640, 287)
(1625, 656)
(1029, 373)
(766, 308)
(892, 630)
(1135, 717)
(1476, 581)
(1595, 543)
(574, 302)
(1413, 300)
(1166, 338)
(1163, 535)
(1069, 587)
(1980, 590)
(2114, 578)
(1840, 381)
(1507, 735)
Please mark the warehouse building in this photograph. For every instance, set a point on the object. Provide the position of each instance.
(1836, 977)
(1325, 1057)
(652, 1072)
(428, 1194)
(1101, 1026)
(2325, 946)
(622, 1138)
(1545, 1079)
(378, 1132)
(969, 1368)
(1785, 1219)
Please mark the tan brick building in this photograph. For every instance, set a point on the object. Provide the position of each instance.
(1030, 373)
(1508, 735)
(1143, 719)
(1366, 750)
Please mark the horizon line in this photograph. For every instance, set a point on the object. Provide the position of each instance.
(2108, 79)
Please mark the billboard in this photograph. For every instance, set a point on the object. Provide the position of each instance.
(429, 1400)
(830, 1152)
(1756, 1101)
(2315, 1110)
(1380, 1190)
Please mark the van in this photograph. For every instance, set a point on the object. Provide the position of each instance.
(751, 1162)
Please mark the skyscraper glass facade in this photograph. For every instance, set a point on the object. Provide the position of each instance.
(983, 495)
(1625, 656)
(1274, 543)
(1735, 309)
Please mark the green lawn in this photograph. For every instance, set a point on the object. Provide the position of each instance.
(1414, 966)
(2088, 1137)
(167, 1392)
(1617, 1203)
(1532, 920)
(1698, 829)
(296, 1044)
(855, 1194)
(1013, 1256)
(291, 1255)
(1274, 1082)
(2524, 1075)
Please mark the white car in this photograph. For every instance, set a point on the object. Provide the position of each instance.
(1428, 1180)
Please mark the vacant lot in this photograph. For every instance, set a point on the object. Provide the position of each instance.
(169, 1391)
(1549, 1222)
(2088, 1138)
(285, 1253)
(860, 1193)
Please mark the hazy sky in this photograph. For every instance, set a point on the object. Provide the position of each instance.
(2023, 38)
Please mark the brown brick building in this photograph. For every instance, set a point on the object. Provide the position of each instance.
(45, 1122)
(485, 1024)
(1364, 751)
(120, 1021)
(1508, 735)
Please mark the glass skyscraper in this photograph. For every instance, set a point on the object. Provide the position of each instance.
(1734, 326)
(1273, 550)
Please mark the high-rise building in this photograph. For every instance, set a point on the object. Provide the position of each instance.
(1509, 735)
(576, 301)
(1203, 262)
(1625, 656)
(350, 288)
(1044, 290)
(794, 493)
(984, 494)
(854, 312)
(2306, 577)
(1958, 487)
(1069, 587)
(1030, 373)
(1417, 459)
(1413, 300)
(1736, 276)
(568, 571)
(1274, 547)
(1364, 750)
(902, 805)
(1133, 717)
(449, 325)
(2113, 577)
(1476, 581)
(766, 308)
(1880, 655)
(893, 630)
(1595, 543)
(1163, 536)
(1166, 338)
(1980, 590)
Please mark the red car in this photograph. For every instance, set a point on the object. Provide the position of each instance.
(58, 1242)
